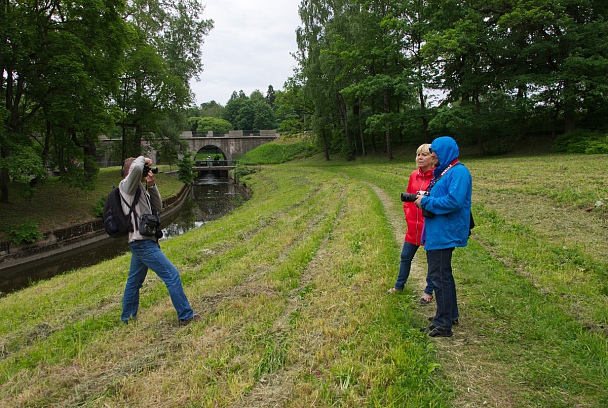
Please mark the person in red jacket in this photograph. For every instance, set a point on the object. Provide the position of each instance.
(419, 181)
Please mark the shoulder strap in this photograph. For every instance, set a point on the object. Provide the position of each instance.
(435, 180)
(132, 206)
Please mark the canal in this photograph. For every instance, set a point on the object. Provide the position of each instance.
(210, 198)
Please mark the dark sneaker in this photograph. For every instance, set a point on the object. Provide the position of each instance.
(433, 331)
(437, 332)
(132, 319)
(454, 322)
(186, 322)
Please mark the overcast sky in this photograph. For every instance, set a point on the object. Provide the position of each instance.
(249, 47)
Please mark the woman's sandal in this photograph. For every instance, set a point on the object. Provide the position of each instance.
(394, 290)
(426, 299)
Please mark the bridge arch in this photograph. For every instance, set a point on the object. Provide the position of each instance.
(233, 144)
(211, 152)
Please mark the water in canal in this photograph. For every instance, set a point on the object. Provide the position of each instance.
(210, 198)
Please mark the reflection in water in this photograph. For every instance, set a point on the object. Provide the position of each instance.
(210, 199)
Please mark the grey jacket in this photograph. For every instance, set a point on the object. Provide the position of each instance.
(149, 199)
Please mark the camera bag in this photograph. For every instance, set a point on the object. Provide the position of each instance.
(149, 223)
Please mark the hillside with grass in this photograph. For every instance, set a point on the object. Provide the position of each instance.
(292, 290)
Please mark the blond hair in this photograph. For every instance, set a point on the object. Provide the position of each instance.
(423, 148)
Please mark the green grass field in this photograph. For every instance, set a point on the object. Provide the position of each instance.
(292, 290)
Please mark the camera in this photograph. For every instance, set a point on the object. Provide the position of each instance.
(147, 170)
(410, 198)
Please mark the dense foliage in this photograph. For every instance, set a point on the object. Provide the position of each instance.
(73, 71)
(492, 73)
(207, 124)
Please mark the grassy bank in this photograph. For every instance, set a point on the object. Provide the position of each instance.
(291, 287)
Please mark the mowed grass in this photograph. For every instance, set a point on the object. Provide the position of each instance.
(292, 291)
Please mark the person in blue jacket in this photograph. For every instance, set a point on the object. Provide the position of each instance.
(445, 228)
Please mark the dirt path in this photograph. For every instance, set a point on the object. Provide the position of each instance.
(396, 218)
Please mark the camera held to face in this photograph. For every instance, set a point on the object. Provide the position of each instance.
(147, 170)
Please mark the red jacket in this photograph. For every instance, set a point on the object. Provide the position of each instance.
(419, 181)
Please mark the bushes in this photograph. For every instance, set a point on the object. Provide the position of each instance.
(26, 233)
(582, 141)
(185, 174)
(207, 124)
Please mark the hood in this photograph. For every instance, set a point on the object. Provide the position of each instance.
(446, 150)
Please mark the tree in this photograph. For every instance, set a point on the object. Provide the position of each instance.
(318, 85)
(294, 109)
(270, 96)
(249, 113)
(59, 62)
(234, 105)
(165, 54)
(211, 109)
(207, 124)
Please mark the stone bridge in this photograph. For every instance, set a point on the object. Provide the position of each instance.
(233, 144)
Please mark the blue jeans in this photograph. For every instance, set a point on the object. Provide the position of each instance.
(440, 272)
(147, 254)
(430, 288)
(407, 254)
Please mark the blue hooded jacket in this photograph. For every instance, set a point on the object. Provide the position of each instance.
(449, 200)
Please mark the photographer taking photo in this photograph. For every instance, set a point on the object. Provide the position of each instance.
(143, 242)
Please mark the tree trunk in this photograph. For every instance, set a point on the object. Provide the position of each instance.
(325, 147)
(344, 114)
(425, 121)
(477, 129)
(361, 127)
(569, 108)
(3, 184)
(90, 152)
(387, 131)
(373, 134)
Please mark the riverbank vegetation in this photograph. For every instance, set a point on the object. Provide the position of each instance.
(292, 290)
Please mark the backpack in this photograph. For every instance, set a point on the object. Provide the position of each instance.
(116, 223)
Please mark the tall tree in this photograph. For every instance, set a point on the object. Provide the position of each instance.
(58, 61)
(165, 54)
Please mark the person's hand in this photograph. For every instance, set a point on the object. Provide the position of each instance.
(150, 179)
(148, 162)
(418, 201)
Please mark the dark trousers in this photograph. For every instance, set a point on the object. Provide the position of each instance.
(440, 273)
